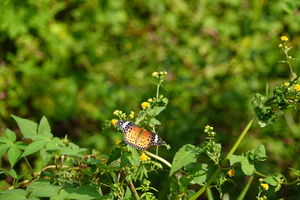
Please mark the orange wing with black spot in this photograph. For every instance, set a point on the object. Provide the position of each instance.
(138, 137)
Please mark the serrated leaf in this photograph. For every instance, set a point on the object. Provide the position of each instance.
(28, 128)
(258, 153)
(34, 147)
(10, 135)
(186, 155)
(247, 166)
(14, 155)
(44, 126)
(234, 159)
(115, 154)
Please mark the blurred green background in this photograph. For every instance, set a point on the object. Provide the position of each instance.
(75, 62)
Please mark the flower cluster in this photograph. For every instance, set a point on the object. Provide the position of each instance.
(209, 130)
(159, 75)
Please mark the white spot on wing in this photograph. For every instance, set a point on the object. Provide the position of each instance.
(156, 139)
(125, 124)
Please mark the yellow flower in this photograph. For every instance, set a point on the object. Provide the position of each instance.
(145, 105)
(143, 157)
(155, 74)
(286, 84)
(231, 172)
(116, 112)
(114, 121)
(284, 38)
(297, 87)
(265, 186)
(131, 114)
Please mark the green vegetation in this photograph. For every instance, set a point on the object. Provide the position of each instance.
(76, 62)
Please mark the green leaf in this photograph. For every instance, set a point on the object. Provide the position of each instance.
(258, 153)
(270, 180)
(247, 166)
(186, 155)
(134, 155)
(43, 188)
(27, 127)
(200, 180)
(46, 156)
(234, 159)
(48, 135)
(126, 160)
(44, 126)
(34, 147)
(289, 7)
(154, 121)
(14, 155)
(165, 100)
(13, 173)
(3, 148)
(82, 192)
(10, 135)
(14, 194)
(21, 145)
(128, 195)
(155, 110)
(115, 154)
(5, 140)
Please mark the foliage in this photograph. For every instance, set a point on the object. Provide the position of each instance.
(77, 61)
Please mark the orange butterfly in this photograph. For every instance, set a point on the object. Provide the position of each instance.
(137, 137)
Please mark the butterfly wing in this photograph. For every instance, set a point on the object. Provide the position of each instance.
(137, 137)
(147, 139)
(130, 131)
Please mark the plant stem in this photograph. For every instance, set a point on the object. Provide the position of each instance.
(132, 188)
(246, 188)
(29, 167)
(157, 92)
(225, 160)
(158, 158)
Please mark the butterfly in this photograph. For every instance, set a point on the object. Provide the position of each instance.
(138, 137)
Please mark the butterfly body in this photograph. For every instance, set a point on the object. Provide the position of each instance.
(138, 137)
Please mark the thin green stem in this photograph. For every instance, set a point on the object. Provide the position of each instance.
(246, 188)
(225, 160)
(157, 92)
(29, 167)
(158, 158)
(260, 174)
